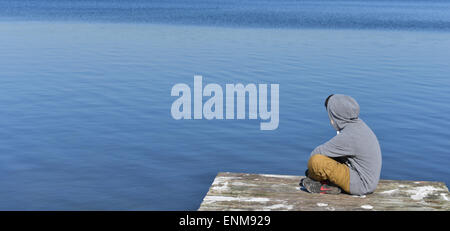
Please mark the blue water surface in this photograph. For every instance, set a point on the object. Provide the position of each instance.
(85, 101)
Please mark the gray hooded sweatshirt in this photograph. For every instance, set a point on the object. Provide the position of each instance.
(355, 145)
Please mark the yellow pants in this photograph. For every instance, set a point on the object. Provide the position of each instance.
(322, 167)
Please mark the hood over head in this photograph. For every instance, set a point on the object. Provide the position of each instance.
(342, 109)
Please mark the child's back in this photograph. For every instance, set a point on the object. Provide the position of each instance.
(355, 143)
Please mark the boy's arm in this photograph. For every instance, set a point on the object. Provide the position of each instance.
(336, 147)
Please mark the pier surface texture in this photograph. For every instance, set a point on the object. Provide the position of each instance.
(262, 192)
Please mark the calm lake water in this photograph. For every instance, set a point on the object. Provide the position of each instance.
(85, 101)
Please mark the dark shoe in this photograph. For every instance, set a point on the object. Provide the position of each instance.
(313, 186)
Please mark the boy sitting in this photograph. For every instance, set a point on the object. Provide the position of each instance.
(351, 160)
